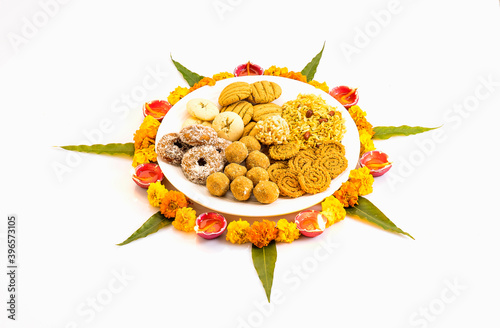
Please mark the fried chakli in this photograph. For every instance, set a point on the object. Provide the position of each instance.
(302, 161)
(335, 163)
(275, 170)
(284, 151)
(330, 147)
(289, 184)
(314, 180)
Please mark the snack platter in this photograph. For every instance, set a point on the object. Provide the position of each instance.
(228, 204)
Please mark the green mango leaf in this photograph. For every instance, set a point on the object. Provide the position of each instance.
(367, 211)
(385, 132)
(190, 77)
(264, 260)
(111, 149)
(311, 67)
(152, 225)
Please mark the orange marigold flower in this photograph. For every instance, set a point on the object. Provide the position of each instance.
(204, 81)
(145, 136)
(347, 194)
(262, 233)
(276, 71)
(321, 86)
(177, 95)
(296, 76)
(172, 202)
(222, 76)
(359, 117)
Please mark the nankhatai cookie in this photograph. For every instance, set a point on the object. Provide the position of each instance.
(264, 92)
(234, 92)
(243, 108)
(261, 112)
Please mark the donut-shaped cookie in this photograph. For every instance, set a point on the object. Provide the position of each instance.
(197, 135)
(199, 162)
(220, 144)
(171, 149)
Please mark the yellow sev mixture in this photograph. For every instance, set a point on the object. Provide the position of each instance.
(312, 121)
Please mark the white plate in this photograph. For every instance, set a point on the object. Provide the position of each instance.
(228, 204)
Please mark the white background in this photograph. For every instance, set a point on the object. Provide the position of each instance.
(79, 77)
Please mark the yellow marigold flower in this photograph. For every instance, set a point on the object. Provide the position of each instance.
(347, 194)
(321, 86)
(177, 95)
(359, 117)
(237, 232)
(156, 192)
(185, 219)
(144, 155)
(145, 136)
(296, 76)
(262, 233)
(365, 138)
(276, 71)
(222, 76)
(172, 202)
(287, 231)
(362, 179)
(204, 81)
(333, 210)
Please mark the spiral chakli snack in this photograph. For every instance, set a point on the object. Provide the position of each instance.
(284, 151)
(330, 147)
(301, 162)
(314, 180)
(275, 170)
(289, 184)
(335, 163)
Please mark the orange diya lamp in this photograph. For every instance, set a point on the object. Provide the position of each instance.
(210, 225)
(376, 161)
(156, 108)
(248, 69)
(310, 223)
(146, 174)
(345, 95)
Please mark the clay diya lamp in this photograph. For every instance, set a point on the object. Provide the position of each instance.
(210, 225)
(248, 69)
(311, 223)
(148, 173)
(156, 108)
(376, 161)
(345, 95)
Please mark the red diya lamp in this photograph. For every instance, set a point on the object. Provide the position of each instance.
(210, 225)
(311, 223)
(148, 173)
(248, 69)
(345, 95)
(156, 108)
(376, 161)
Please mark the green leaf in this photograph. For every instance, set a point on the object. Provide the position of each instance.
(152, 225)
(367, 211)
(385, 132)
(310, 68)
(111, 149)
(264, 260)
(190, 77)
